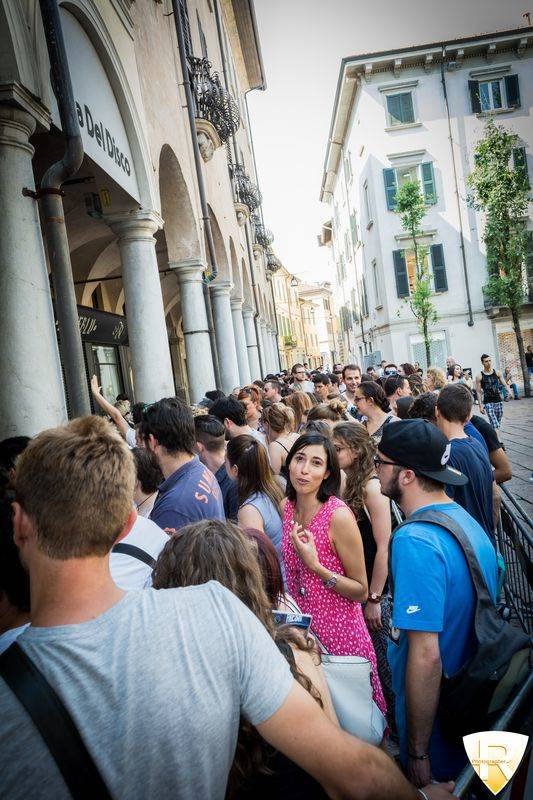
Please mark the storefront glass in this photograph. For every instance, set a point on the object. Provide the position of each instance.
(108, 364)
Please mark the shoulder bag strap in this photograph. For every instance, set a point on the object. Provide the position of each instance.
(484, 600)
(134, 552)
(54, 723)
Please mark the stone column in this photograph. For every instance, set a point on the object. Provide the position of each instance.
(263, 344)
(200, 370)
(275, 352)
(240, 341)
(226, 350)
(31, 387)
(251, 342)
(147, 330)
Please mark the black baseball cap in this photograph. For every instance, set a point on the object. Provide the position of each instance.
(422, 447)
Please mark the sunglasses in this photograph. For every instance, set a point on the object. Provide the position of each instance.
(146, 409)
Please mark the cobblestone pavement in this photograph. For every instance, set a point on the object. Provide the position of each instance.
(517, 435)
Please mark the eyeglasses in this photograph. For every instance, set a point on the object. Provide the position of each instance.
(379, 461)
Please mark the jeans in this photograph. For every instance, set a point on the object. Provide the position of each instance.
(505, 390)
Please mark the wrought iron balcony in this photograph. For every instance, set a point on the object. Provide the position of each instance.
(246, 192)
(213, 102)
(272, 262)
(262, 235)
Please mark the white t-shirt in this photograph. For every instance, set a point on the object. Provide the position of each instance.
(130, 572)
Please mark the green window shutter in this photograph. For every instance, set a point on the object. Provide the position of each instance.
(520, 163)
(389, 178)
(393, 105)
(440, 279)
(400, 273)
(512, 91)
(353, 227)
(473, 88)
(428, 182)
(407, 109)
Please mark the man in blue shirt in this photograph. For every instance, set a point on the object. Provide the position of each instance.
(433, 594)
(190, 490)
(211, 448)
(454, 407)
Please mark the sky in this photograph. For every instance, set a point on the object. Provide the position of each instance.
(303, 42)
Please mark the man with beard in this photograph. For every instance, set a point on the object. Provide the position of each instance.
(433, 596)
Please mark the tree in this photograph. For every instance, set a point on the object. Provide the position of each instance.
(411, 207)
(500, 189)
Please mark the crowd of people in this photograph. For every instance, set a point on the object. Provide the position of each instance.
(183, 575)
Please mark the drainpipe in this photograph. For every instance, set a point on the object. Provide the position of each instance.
(55, 231)
(457, 197)
(201, 186)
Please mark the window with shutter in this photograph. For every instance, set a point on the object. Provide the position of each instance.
(353, 228)
(512, 91)
(400, 108)
(520, 163)
(473, 88)
(364, 297)
(389, 179)
(400, 273)
(203, 42)
(440, 280)
(428, 182)
(184, 17)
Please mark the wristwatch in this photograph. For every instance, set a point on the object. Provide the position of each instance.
(374, 598)
(331, 581)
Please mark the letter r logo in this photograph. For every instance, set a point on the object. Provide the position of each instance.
(495, 756)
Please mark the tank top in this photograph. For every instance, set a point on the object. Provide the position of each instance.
(491, 387)
(271, 519)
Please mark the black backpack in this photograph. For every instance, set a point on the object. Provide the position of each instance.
(471, 699)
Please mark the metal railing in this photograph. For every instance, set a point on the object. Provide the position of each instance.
(514, 536)
(245, 190)
(515, 542)
(212, 102)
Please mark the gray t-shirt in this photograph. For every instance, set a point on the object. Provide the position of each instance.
(155, 686)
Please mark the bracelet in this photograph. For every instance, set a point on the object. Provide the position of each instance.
(423, 757)
(423, 794)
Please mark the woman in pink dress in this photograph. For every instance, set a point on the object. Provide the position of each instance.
(323, 553)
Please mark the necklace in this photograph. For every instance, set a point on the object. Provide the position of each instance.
(300, 570)
(145, 500)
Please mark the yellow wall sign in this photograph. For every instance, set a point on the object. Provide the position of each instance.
(495, 756)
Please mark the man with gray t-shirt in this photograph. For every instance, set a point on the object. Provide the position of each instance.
(155, 681)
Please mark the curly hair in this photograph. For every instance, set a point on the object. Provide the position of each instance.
(356, 437)
(437, 377)
(215, 550)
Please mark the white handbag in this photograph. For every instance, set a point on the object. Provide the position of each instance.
(350, 686)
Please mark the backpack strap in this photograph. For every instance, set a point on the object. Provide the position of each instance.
(135, 552)
(484, 600)
(54, 723)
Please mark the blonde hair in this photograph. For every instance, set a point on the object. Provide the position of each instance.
(279, 417)
(76, 482)
(300, 402)
(438, 377)
(333, 410)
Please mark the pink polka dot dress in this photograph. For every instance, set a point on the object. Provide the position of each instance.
(337, 621)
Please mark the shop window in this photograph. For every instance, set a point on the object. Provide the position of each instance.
(107, 361)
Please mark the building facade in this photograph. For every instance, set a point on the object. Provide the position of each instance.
(417, 114)
(162, 307)
(325, 320)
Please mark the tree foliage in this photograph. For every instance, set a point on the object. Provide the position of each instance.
(411, 208)
(501, 191)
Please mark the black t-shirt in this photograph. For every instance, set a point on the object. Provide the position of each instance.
(529, 360)
(487, 431)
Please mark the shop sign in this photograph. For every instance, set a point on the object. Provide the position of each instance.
(102, 327)
(102, 129)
